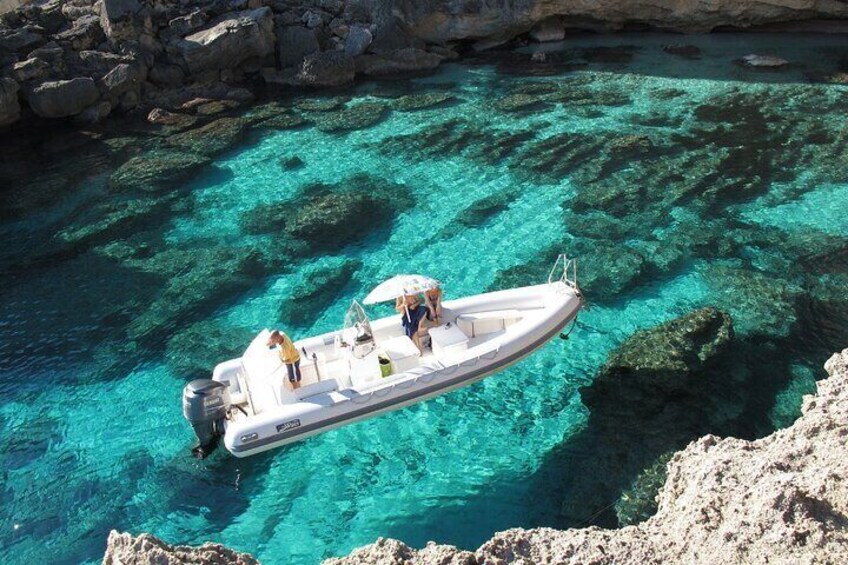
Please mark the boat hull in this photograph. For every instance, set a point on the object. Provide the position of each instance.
(310, 416)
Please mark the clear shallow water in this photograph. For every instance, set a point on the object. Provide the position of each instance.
(91, 366)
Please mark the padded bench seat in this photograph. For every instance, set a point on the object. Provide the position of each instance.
(320, 387)
(482, 323)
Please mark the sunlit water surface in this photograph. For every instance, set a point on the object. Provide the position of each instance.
(91, 433)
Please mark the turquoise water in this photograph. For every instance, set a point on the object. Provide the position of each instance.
(678, 183)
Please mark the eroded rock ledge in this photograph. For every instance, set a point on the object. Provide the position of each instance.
(124, 549)
(783, 498)
(86, 59)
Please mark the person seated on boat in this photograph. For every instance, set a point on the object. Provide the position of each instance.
(433, 300)
(288, 355)
(412, 312)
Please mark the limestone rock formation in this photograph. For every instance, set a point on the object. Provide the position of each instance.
(782, 498)
(331, 68)
(123, 20)
(63, 98)
(230, 42)
(10, 109)
(440, 21)
(124, 549)
(294, 43)
(174, 46)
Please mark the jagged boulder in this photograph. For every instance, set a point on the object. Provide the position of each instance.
(155, 170)
(294, 43)
(125, 20)
(658, 360)
(63, 98)
(231, 41)
(10, 109)
(332, 216)
(124, 549)
(122, 79)
(331, 68)
(31, 69)
(357, 41)
(85, 33)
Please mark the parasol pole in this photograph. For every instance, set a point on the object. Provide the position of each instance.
(405, 306)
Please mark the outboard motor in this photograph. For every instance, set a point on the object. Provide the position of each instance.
(205, 406)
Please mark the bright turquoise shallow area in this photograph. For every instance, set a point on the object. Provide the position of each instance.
(91, 433)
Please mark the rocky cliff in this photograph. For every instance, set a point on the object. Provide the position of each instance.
(783, 498)
(89, 58)
(124, 549)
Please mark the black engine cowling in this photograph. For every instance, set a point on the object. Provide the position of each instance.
(205, 406)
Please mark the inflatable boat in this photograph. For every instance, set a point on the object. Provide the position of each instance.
(370, 367)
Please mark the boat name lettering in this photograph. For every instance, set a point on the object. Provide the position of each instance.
(290, 425)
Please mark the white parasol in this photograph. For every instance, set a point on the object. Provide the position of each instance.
(400, 285)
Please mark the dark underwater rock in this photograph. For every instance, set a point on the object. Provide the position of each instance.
(173, 119)
(328, 218)
(213, 138)
(455, 137)
(521, 102)
(332, 216)
(284, 121)
(657, 358)
(318, 287)
(604, 54)
(761, 303)
(160, 169)
(607, 269)
(412, 102)
(320, 104)
(683, 50)
(534, 271)
(660, 389)
(357, 116)
(292, 163)
(639, 502)
(113, 220)
(479, 213)
(195, 282)
(195, 350)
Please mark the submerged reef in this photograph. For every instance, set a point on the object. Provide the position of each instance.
(782, 497)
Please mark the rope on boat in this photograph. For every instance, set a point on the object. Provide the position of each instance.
(366, 401)
(407, 383)
(432, 376)
(388, 390)
(566, 335)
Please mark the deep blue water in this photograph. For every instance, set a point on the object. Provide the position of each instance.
(677, 182)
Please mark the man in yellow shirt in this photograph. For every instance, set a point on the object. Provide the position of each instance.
(288, 355)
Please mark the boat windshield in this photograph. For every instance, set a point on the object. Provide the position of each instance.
(357, 330)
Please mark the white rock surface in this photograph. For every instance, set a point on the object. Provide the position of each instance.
(124, 549)
(230, 42)
(781, 499)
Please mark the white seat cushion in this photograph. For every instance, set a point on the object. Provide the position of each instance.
(482, 323)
